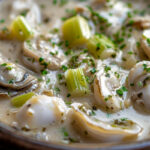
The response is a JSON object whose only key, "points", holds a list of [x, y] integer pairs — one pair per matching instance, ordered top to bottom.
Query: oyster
{"points": [[145, 42], [41, 52], [14, 80], [139, 85], [109, 88], [41, 111], [104, 131]]}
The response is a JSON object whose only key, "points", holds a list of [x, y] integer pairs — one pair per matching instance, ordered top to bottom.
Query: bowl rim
{"points": [[7, 133]]}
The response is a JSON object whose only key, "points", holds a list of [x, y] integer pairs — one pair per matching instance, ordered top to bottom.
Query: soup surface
{"points": [[76, 71]]}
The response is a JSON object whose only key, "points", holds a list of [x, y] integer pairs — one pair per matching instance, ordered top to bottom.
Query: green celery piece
{"points": [[21, 29], [76, 31], [99, 44], [76, 82], [18, 101]]}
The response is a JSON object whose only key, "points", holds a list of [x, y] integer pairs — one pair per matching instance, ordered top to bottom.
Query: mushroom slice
{"points": [[145, 42], [42, 52], [14, 80], [139, 84], [109, 88], [41, 111], [110, 131]]}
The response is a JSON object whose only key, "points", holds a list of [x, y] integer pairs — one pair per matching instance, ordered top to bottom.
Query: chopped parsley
{"points": [[54, 2], [60, 2], [24, 13], [2, 20], [131, 22], [148, 41], [66, 43], [138, 44], [97, 46], [122, 46], [68, 52], [130, 53], [54, 54], [41, 59], [43, 62], [4, 64], [9, 68], [64, 68], [107, 68], [146, 68], [93, 71], [44, 72], [117, 74], [60, 76], [11, 81], [48, 81], [132, 84], [57, 90], [121, 91], [68, 95], [107, 98], [92, 113], [124, 119], [65, 133]]}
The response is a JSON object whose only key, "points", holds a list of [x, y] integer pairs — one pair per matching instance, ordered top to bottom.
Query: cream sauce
{"points": [[49, 17]]}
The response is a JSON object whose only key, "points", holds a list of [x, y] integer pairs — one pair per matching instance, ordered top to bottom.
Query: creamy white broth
{"points": [[51, 16]]}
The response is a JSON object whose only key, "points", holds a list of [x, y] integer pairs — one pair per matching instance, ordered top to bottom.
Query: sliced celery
{"points": [[21, 29], [76, 31], [98, 44], [76, 82], [18, 101]]}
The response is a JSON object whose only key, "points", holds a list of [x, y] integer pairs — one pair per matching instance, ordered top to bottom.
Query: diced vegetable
{"points": [[21, 29], [76, 31], [5, 34], [100, 46], [76, 82], [18, 101]]}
